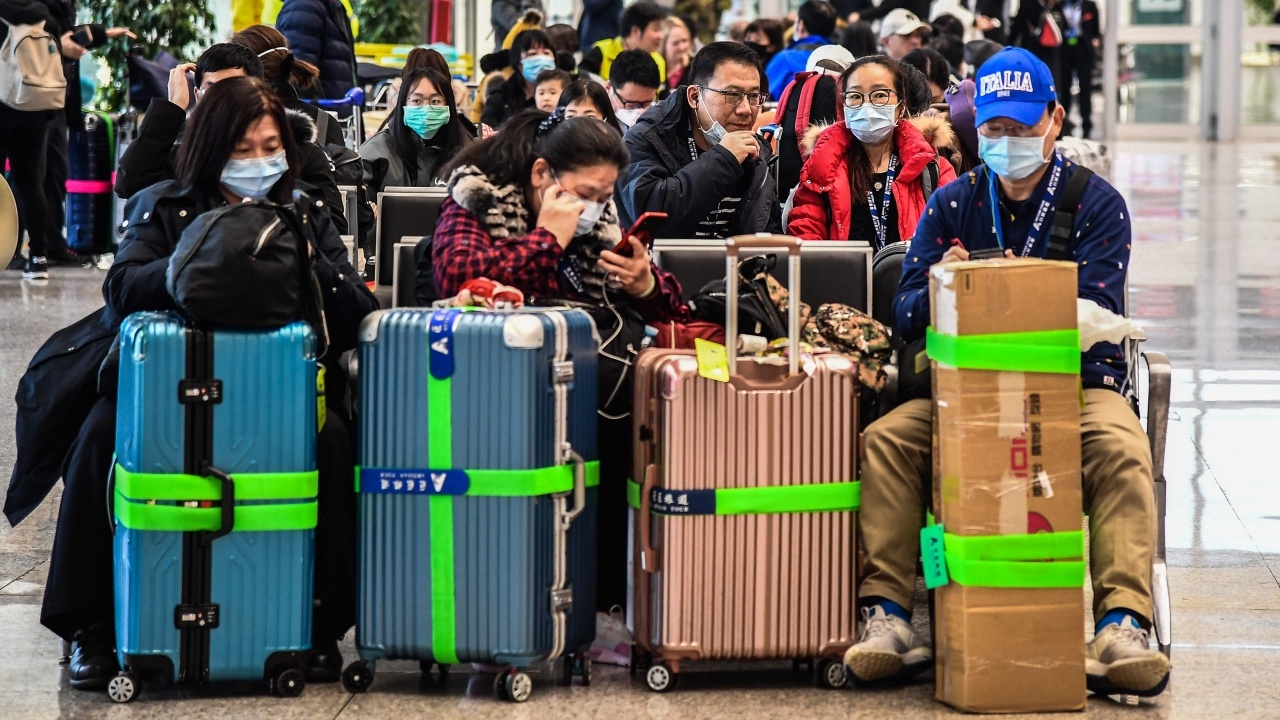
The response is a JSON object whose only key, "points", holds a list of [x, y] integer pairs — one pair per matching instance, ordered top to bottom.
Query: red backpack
{"points": [[812, 98]]}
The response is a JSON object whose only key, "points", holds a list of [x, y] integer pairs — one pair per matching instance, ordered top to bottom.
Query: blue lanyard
{"points": [[881, 226], [1040, 226]]}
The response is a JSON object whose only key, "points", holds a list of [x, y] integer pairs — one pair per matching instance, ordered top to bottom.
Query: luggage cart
{"points": [[353, 123]]}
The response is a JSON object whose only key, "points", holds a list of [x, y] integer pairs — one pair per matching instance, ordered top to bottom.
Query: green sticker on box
{"points": [[933, 557]]}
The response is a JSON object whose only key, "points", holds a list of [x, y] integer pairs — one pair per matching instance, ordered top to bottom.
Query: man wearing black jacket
{"points": [[1081, 40], [694, 156], [149, 159]]}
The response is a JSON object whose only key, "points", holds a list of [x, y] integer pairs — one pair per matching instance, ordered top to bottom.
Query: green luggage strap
{"points": [[1046, 351], [442, 485], [138, 498], [772, 500], [1040, 560]]}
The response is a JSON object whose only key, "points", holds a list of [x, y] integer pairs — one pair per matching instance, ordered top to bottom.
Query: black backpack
{"points": [[246, 265], [757, 314]]}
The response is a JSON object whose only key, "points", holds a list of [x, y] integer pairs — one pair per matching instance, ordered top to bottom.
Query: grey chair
{"points": [[350, 206], [402, 212], [833, 272]]}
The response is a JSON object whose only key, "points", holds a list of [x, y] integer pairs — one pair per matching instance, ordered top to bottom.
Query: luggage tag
{"points": [[713, 360], [933, 557]]}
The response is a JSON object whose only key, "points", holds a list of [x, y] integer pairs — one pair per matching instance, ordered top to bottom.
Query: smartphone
{"points": [[644, 228], [986, 254]]}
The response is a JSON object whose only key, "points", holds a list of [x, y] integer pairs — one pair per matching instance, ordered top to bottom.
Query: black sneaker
{"points": [[63, 257], [17, 263], [36, 268]]}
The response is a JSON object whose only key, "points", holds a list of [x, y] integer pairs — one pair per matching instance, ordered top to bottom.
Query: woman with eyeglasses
{"points": [[422, 134], [866, 178]]}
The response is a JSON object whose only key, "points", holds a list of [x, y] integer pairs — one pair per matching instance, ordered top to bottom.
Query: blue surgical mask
{"points": [[533, 66], [426, 120], [869, 123], [1013, 158], [254, 177]]}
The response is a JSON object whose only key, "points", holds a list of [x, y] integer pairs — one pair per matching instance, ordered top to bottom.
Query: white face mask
{"points": [[629, 116], [871, 124], [716, 133], [1013, 158], [589, 217]]}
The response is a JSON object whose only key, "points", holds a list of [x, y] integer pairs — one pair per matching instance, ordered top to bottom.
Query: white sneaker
{"points": [[612, 645], [889, 648], [1120, 660]]}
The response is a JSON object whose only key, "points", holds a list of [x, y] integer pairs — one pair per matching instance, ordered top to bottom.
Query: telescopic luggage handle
{"points": [[762, 241]]}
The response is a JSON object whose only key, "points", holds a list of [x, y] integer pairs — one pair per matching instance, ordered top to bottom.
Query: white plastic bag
{"points": [[1098, 324]]}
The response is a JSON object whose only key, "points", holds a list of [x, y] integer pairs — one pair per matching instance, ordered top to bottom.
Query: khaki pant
{"points": [[1118, 498]]}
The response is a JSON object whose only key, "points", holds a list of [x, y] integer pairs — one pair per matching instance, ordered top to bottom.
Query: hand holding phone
{"points": [[643, 230]]}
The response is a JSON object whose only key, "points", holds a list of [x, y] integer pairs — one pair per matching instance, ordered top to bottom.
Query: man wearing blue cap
{"points": [[1009, 204]]}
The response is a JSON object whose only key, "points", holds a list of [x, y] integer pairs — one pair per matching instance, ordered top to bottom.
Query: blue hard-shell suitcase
{"points": [[477, 491], [214, 504]]}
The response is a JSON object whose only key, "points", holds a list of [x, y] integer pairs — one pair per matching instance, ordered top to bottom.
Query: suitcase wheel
{"points": [[576, 664], [426, 665], [586, 671], [830, 674], [357, 677], [660, 678], [289, 683], [513, 685], [123, 688]]}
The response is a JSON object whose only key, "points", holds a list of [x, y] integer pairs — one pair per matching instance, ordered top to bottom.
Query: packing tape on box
{"points": [[1044, 351], [771, 500], [1040, 560]]}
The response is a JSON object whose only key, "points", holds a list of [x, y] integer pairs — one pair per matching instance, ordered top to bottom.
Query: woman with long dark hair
{"points": [[531, 52], [287, 74], [423, 133], [236, 146], [864, 179], [532, 207]]}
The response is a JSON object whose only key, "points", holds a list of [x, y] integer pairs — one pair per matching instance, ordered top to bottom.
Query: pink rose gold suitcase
{"points": [[744, 519]]}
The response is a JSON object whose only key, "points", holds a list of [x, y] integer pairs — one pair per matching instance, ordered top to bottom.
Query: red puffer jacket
{"points": [[824, 199]]}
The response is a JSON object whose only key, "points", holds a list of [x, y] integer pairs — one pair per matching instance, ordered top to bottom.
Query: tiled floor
{"points": [[1205, 284]]}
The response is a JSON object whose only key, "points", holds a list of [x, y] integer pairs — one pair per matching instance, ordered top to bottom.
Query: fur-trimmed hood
{"points": [[304, 128], [503, 212]]}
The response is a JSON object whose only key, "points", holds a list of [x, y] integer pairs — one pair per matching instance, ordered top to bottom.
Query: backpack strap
{"points": [[786, 92], [805, 110], [929, 179], [1065, 216]]}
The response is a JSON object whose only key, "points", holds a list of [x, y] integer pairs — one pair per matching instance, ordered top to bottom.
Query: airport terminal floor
{"points": [[1205, 285]]}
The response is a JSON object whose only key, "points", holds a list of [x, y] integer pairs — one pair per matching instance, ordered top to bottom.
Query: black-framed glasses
{"points": [[735, 97], [878, 98], [632, 104]]}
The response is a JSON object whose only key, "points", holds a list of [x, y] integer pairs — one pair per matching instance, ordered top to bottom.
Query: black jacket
{"points": [[319, 32], [505, 98], [151, 157], [664, 178], [68, 373]]}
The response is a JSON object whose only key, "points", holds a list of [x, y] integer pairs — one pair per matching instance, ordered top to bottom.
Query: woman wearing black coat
{"points": [[240, 128]]}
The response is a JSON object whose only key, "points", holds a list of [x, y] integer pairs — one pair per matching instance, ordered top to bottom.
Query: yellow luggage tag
{"points": [[713, 360], [322, 409]]}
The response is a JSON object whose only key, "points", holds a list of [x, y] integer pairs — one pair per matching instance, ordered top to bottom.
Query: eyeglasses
{"points": [[734, 98], [878, 98], [433, 102], [633, 104], [996, 130]]}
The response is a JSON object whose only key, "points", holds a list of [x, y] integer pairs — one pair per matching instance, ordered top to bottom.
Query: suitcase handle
{"points": [[732, 246], [579, 489], [228, 504], [648, 556]]}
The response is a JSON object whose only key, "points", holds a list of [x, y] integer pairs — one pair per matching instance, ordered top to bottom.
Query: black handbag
{"points": [[246, 265], [757, 314]]}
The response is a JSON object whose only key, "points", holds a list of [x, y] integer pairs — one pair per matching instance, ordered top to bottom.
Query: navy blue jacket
{"points": [[601, 20], [319, 32], [784, 66], [1100, 244]]}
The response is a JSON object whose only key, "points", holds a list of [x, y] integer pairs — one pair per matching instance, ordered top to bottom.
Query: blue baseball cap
{"points": [[1013, 84]]}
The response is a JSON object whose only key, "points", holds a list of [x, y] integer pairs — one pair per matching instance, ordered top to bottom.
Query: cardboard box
{"points": [[1007, 461]]}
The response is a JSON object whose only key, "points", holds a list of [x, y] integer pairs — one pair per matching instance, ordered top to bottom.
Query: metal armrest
{"points": [[404, 272], [1159, 391]]}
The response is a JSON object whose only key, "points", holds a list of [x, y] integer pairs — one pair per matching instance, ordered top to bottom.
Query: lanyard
{"points": [[882, 225], [1039, 227]]}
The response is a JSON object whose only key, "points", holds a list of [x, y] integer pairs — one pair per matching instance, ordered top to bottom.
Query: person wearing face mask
{"points": [[531, 54], [633, 86], [422, 134], [237, 146], [152, 156], [695, 157], [865, 177], [1000, 206], [532, 207]]}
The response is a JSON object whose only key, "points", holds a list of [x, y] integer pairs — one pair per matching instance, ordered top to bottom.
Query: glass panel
{"points": [[1160, 83]]}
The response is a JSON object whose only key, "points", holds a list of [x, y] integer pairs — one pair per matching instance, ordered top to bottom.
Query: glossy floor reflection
{"points": [[1206, 286]]}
